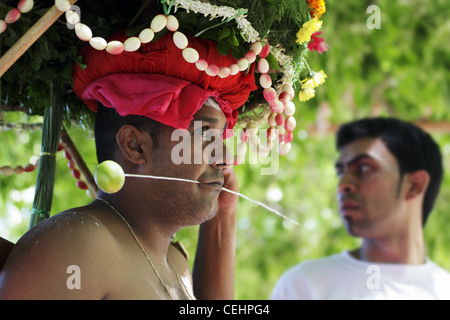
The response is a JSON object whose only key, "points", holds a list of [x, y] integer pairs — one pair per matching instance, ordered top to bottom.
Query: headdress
{"points": [[249, 55]]}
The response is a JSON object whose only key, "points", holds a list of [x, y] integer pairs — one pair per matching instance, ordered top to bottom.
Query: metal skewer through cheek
{"points": [[159, 178], [224, 189]]}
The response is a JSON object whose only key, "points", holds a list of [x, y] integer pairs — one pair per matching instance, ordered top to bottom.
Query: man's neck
{"points": [[152, 235], [400, 249]]}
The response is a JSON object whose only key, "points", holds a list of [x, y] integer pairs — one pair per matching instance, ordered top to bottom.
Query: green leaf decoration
{"points": [[273, 63]]}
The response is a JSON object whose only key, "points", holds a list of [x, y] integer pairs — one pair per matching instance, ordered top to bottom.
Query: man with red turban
{"points": [[119, 246]]}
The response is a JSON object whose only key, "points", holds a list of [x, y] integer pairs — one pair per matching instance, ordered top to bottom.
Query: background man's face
{"points": [[370, 201]]}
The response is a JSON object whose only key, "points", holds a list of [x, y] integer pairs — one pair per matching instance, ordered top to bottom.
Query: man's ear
{"points": [[134, 144], [417, 184]]}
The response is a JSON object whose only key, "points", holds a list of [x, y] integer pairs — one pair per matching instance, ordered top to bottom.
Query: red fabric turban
{"points": [[158, 83]]}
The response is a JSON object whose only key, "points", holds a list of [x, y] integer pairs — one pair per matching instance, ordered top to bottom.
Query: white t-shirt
{"points": [[342, 277]]}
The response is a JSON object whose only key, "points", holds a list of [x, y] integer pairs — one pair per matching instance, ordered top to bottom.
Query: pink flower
{"points": [[317, 43]]}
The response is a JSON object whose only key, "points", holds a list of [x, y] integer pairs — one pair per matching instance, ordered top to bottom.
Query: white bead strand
{"points": [[25, 5], [63, 5], [98, 43]]}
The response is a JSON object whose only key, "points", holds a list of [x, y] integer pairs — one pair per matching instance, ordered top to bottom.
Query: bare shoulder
{"points": [[44, 259]]}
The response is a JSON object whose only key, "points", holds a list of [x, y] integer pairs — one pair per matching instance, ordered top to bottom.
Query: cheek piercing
{"points": [[110, 178]]}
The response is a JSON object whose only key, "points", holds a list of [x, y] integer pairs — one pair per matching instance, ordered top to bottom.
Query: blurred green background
{"points": [[401, 69]]}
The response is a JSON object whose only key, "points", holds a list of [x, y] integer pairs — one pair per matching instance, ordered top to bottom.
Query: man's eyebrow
{"points": [[206, 119], [209, 120], [355, 159]]}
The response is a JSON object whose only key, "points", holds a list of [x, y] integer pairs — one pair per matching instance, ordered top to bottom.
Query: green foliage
{"points": [[278, 20], [225, 33], [401, 69], [17, 191]]}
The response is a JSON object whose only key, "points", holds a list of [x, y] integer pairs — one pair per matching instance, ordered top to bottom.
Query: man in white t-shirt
{"points": [[389, 173]]}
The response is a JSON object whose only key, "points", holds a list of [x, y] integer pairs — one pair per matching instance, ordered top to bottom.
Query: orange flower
{"points": [[317, 8]]}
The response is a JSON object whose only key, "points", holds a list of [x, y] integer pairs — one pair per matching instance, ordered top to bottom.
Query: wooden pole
{"points": [[30, 37], [79, 162]]}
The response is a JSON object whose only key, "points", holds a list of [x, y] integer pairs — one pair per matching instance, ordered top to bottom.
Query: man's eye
{"points": [[205, 130], [364, 168]]}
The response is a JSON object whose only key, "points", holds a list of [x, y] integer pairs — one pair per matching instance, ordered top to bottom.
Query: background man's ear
{"points": [[133, 143], [418, 184]]}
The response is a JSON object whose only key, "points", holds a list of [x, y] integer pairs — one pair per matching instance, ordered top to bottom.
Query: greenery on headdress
{"points": [[276, 20]]}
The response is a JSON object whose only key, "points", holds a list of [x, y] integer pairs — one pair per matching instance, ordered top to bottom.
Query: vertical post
{"points": [[51, 133]]}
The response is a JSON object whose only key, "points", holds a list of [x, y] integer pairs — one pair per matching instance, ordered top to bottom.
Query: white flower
{"points": [[223, 12], [247, 30]]}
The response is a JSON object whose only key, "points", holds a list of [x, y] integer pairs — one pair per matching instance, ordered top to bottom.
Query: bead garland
{"points": [[13, 15], [180, 40], [4, 126], [30, 167], [8, 170], [81, 184]]}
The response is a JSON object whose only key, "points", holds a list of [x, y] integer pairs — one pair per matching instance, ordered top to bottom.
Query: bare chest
{"points": [[138, 279]]}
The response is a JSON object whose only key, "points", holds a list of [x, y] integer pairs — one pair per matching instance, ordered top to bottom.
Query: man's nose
{"points": [[224, 159], [347, 183]]}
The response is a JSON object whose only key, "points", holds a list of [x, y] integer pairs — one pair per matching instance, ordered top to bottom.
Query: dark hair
{"points": [[107, 124], [413, 148]]}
